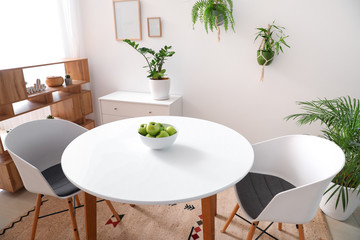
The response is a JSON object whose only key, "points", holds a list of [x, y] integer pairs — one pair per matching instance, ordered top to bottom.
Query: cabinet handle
{"points": [[115, 109], [150, 112]]}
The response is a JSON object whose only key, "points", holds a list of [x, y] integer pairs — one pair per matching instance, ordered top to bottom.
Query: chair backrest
{"points": [[37, 145], [299, 159], [309, 163]]}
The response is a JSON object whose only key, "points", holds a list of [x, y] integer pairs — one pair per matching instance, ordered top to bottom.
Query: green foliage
{"points": [[210, 12], [271, 44], [156, 61], [67, 76], [50, 117], [341, 118]]}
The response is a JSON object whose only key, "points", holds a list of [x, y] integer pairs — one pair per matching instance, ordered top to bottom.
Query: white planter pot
{"points": [[160, 89], [338, 213]]}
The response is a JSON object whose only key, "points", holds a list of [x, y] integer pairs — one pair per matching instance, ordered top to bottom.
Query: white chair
{"points": [[36, 148], [288, 178]]}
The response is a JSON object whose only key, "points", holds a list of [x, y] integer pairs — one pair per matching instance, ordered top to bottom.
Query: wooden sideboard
{"points": [[70, 102], [120, 105]]}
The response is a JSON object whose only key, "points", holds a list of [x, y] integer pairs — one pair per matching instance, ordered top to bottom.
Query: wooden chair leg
{"points": [[77, 200], [236, 208], [112, 209], [36, 216], [73, 219], [280, 226], [252, 230], [301, 232]]}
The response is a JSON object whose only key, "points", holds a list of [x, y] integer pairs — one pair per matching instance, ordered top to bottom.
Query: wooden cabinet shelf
{"points": [[61, 96], [67, 102], [26, 106]]}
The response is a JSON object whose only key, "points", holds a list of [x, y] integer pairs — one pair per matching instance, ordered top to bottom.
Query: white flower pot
{"points": [[160, 88], [338, 213]]}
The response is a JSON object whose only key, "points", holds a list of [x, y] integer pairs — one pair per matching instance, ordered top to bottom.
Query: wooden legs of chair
{"points": [[77, 200], [236, 208], [112, 209], [37, 211], [36, 216], [72, 216], [254, 225], [252, 230], [301, 232]]}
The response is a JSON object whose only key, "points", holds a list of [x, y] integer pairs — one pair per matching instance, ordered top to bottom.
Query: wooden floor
{"points": [[13, 205]]}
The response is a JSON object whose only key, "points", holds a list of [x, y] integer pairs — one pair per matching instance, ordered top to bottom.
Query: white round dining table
{"points": [[111, 162]]}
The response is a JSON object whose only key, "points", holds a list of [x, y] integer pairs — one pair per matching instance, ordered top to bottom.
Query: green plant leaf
{"points": [[203, 10], [341, 120]]}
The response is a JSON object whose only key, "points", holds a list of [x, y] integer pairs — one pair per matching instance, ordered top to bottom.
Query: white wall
{"points": [[219, 81]]}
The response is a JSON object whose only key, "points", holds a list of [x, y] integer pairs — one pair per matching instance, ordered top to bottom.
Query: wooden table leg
{"points": [[208, 206], [90, 216]]}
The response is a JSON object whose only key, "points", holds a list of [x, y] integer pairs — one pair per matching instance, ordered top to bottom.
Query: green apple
{"points": [[161, 127], [153, 128], [142, 129], [170, 130], [162, 134], [148, 135]]}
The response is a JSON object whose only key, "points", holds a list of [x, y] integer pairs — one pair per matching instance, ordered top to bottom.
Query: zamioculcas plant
{"points": [[213, 14], [273, 38], [155, 61]]}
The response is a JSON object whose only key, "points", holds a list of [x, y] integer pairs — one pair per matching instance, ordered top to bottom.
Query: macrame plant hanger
{"points": [[218, 28], [261, 47]]}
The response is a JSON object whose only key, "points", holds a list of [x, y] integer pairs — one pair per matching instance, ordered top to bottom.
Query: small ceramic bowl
{"points": [[159, 143]]}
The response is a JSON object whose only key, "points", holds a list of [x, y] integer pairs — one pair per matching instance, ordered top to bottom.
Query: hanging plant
{"points": [[213, 14], [273, 38]]}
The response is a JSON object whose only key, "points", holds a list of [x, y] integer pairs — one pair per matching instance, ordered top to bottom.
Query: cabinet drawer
{"points": [[132, 109], [111, 118]]}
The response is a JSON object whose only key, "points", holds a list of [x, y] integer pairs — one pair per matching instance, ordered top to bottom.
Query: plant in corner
{"points": [[213, 14], [273, 38], [155, 62], [341, 118]]}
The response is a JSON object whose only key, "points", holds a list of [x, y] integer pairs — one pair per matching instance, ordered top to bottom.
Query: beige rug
{"points": [[181, 221]]}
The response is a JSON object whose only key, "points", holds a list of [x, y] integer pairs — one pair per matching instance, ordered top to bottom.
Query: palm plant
{"points": [[214, 13], [341, 118]]}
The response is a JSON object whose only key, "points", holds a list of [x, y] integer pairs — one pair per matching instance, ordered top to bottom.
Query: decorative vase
{"points": [[265, 57], [54, 81], [160, 88], [338, 213]]}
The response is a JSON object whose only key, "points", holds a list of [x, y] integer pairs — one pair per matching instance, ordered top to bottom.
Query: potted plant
{"points": [[213, 14], [273, 38], [68, 80], [159, 84], [341, 119]]}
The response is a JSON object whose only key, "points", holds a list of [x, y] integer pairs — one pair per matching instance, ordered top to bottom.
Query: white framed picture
{"points": [[127, 19], [154, 26]]}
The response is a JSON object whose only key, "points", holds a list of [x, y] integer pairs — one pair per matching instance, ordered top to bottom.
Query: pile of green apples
{"points": [[156, 130]]}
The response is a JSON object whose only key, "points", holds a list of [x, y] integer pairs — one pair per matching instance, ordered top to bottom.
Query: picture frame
{"points": [[127, 19], [154, 26]]}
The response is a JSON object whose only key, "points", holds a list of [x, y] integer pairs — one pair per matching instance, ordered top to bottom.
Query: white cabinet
{"points": [[121, 104]]}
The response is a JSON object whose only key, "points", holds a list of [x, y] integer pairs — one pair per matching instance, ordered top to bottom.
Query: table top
{"points": [[111, 162]]}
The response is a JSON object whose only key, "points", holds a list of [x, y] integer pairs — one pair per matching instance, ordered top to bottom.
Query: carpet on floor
{"points": [[180, 221]]}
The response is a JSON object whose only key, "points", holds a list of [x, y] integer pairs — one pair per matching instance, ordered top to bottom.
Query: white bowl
{"points": [[159, 143]]}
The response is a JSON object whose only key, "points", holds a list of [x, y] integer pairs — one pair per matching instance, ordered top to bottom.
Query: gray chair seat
{"points": [[55, 177], [256, 190]]}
